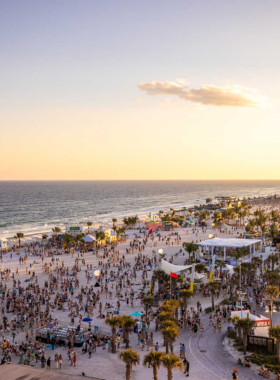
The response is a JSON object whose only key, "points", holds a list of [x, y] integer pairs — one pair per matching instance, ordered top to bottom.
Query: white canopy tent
{"points": [[88, 239], [230, 243], [168, 267], [229, 268]]}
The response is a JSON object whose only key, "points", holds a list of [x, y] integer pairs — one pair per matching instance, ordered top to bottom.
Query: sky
{"points": [[124, 89]]}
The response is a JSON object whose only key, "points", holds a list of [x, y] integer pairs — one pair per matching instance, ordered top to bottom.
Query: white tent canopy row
{"points": [[88, 239], [230, 243]]}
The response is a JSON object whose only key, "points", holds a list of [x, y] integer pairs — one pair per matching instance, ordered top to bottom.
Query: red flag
{"points": [[173, 275]]}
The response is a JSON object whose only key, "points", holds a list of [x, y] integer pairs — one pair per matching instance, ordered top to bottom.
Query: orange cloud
{"points": [[226, 96]]}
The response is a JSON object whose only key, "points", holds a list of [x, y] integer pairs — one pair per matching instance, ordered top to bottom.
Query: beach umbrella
{"points": [[97, 285], [136, 314], [87, 319]]}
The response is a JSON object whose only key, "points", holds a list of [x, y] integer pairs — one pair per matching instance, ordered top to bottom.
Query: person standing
{"points": [[60, 361], [49, 363]]}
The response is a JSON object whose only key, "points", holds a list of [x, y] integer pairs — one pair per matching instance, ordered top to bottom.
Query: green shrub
{"points": [[225, 301], [208, 310], [231, 334]]}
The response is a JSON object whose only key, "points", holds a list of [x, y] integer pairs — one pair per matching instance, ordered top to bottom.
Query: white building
{"points": [[74, 230], [3, 243]]}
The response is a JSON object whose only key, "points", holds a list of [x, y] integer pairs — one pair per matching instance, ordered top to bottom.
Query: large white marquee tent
{"points": [[230, 243]]}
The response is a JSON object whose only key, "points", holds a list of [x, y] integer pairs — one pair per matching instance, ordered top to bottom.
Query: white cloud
{"points": [[226, 96]]}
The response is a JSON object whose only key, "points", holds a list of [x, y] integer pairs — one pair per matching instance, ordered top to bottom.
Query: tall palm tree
{"points": [[274, 216], [114, 221], [89, 224], [273, 230], [19, 236], [100, 236], [68, 239], [190, 248], [273, 259], [200, 268], [161, 277], [273, 278], [214, 286], [272, 292], [185, 294], [147, 301], [234, 320], [114, 322], [127, 324], [246, 325], [274, 332], [170, 335], [130, 358], [153, 359], [170, 362]]}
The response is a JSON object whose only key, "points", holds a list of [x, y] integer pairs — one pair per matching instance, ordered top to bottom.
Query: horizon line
{"points": [[135, 180]]}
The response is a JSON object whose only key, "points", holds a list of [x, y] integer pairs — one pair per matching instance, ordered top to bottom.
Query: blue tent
{"points": [[136, 314], [87, 319]]}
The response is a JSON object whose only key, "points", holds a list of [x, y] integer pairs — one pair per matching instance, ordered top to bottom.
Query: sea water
{"points": [[38, 206]]}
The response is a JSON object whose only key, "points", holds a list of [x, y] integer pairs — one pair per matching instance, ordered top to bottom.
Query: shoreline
{"points": [[34, 233]]}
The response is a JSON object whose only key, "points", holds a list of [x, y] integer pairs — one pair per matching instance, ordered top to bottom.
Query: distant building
{"points": [[229, 202], [74, 230], [3, 243]]}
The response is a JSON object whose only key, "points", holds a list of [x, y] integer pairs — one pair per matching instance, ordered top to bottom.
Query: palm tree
{"points": [[274, 216], [218, 217], [114, 221], [89, 224], [56, 230], [273, 230], [120, 231], [19, 236], [100, 236], [67, 239], [190, 248], [274, 260], [221, 264], [200, 267], [161, 277], [273, 278], [214, 286], [272, 292], [185, 295], [147, 301], [234, 320], [114, 322], [127, 324], [246, 325], [274, 332], [170, 335], [130, 358], [154, 359], [170, 362]]}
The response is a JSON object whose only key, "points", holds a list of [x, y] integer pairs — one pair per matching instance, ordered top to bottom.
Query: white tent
{"points": [[88, 239], [229, 242], [3, 243], [167, 267], [229, 268], [199, 276]]}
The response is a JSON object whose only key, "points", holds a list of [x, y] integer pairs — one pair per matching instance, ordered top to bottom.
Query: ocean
{"points": [[38, 206]]}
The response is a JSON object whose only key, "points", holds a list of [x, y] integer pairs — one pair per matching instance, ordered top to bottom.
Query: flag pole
{"points": [[170, 285]]}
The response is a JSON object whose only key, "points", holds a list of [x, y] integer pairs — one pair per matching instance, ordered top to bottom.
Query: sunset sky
{"points": [[139, 89]]}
